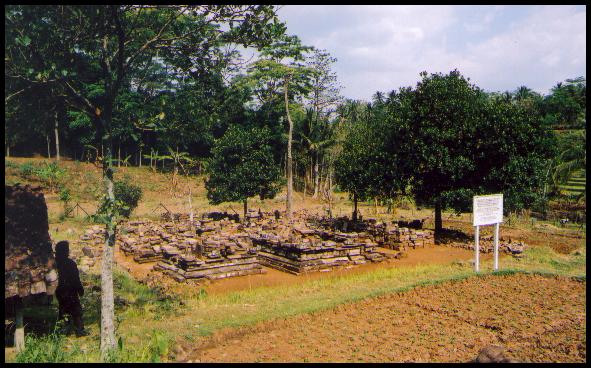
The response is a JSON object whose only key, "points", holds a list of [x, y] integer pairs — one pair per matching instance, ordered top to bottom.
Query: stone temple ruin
{"points": [[218, 245], [29, 265]]}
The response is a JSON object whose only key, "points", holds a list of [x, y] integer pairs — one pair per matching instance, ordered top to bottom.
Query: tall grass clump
{"points": [[48, 349]]}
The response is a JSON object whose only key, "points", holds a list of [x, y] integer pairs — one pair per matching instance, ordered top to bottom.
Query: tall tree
{"points": [[88, 52], [281, 68], [324, 98], [565, 106], [440, 118], [459, 142], [367, 165]]}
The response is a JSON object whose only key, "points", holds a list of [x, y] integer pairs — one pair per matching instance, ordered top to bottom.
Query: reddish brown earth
{"points": [[536, 319]]}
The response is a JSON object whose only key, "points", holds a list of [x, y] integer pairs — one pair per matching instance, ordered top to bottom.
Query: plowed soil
{"points": [[536, 319]]}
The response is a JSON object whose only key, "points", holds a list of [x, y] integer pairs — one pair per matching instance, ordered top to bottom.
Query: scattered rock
{"points": [[88, 251], [119, 300], [493, 354]]}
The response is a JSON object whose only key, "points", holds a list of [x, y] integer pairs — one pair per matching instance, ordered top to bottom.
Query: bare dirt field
{"points": [[535, 318]]}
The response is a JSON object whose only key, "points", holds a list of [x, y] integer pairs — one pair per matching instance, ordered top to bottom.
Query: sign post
{"points": [[487, 210]]}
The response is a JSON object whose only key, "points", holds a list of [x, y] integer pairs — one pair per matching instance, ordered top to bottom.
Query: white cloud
{"points": [[385, 47]]}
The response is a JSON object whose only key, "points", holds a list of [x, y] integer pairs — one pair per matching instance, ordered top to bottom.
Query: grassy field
{"points": [[154, 327]]}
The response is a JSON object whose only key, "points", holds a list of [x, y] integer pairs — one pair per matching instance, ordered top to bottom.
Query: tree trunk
{"points": [[57, 138], [7, 146], [48, 146], [119, 156], [140, 158], [289, 160], [316, 177], [305, 180], [190, 205], [354, 207], [245, 208], [438, 222], [107, 296], [19, 332]]}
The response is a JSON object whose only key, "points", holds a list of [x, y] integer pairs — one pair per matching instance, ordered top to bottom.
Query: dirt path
{"points": [[537, 319]]}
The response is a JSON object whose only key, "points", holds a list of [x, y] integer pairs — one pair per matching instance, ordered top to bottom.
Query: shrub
{"points": [[26, 169], [51, 174], [65, 196], [127, 196]]}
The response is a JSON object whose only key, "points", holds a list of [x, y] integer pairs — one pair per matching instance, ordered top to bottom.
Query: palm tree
{"points": [[521, 93], [317, 136]]}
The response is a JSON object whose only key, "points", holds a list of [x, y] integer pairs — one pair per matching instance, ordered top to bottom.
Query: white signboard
{"points": [[488, 209]]}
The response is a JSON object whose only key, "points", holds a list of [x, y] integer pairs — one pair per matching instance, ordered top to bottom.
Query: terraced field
{"points": [[576, 184]]}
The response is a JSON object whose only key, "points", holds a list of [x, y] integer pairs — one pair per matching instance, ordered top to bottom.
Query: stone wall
{"points": [[29, 265]]}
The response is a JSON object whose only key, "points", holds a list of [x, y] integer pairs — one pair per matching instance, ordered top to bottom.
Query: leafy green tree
{"points": [[89, 52], [566, 106], [440, 119], [458, 142], [513, 153], [367, 165], [242, 166], [127, 197]]}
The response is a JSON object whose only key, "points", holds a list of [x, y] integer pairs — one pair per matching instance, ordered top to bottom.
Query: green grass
{"points": [[134, 301]]}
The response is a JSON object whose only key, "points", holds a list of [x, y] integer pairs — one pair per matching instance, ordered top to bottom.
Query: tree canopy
{"points": [[242, 166]]}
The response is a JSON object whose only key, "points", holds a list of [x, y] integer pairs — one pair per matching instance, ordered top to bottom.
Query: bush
{"points": [[26, 169], [51, 174], [127, 196], [65, 197]]}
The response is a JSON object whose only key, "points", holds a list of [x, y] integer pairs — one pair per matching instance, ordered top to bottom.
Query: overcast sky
{"points": [[498, 47]]}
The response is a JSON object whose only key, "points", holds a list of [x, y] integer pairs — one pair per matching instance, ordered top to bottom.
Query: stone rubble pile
{"points": [[387, 235], [401, 238], [458, 239], [486, 245], [218, 246], [219, 251]]}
